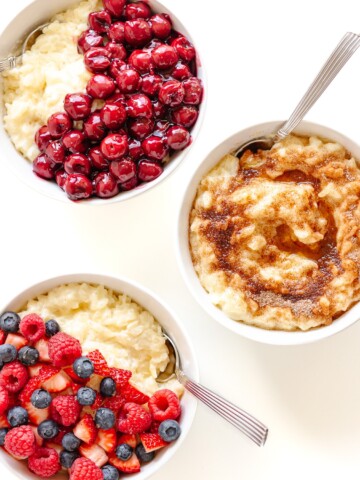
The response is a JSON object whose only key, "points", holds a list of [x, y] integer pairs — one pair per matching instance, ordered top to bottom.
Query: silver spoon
{"points": [[342, 53], [15, 60], [246, 423]]}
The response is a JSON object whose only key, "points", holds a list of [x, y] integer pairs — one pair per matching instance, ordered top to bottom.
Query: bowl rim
{"points": [[19, 165], [182, 250], [152, 298]]}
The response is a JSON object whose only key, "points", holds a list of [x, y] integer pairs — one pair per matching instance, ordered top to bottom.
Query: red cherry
{"points": [[115, 7], [137, 10], [99, 21], [160, 25], [116, 32], [137, 32], [89, 39], [154, 43], [184, 48], [116, 50], [165, 56], [97, 59], [140, 60], [116, 67], [181, 71], [128, 81], [151, 84], [100, 86], [193, 91], [171, 93], [116, 98], [77, 105], [139, 105], [159, 109], [113, 115], [185, 115], [59, 123], [94, 127], [141, 127], [177, 137], [42, 138], [75, 141], [114, 146], [155, 147], [135, 149], [56, 151], [98, 161], [77, 163], [44, 167], [123, 170], [148, 170], [60, 178], [130, 184], [106, 185], [78, 186]]}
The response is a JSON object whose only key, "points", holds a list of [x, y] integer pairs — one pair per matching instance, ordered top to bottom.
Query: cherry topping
{"points": [[115, 7], [137, 10], [100, 21], [160, 25], [116, 32], [137, 32], [89, 39], [184, 48], [116, 50], [165, 56], [97, 59], [141, 61], [116, 67], [181, 71], [129, 81], [151, 84], [100, 86], [193, 91], [171, 93], [116, 98], [77, 105], [139, 105], [159, 109], [113, 115], [185, 115], [59, 123], [94, 127], [141, 127], [177, 137], [42, 138], [75, 141], [114, 146], [155, 147], [135, 149], [56, 151], [97, 159], [77, 163], [44, 167], [123, 170], [148, 170], [60, 177], [130, 184], [106, 185], [78, 186]]}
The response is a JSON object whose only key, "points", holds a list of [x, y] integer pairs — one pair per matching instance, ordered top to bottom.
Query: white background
{"points": [[260, 56]]}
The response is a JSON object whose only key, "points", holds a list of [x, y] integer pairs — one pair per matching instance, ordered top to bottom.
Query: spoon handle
{"points": [[342, 53], [8, 63], [246, 423]]}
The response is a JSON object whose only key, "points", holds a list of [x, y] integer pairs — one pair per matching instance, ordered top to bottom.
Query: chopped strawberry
{"points": [[2, 337], [17, 340], [43, 348], [99, 362], [34, 370], [70, 372], [45, 373], [120, 376], [94, 382], [57, 383], [75, 388], [132, 394], [115, 403], [36, 415], [4, 421], [86, 429], [128, 438], [107, 439], [39, 440], [152, 441], [55, 446], [94, 453], [130, 466]]}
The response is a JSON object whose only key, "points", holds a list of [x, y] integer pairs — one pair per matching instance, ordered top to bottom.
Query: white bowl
{"points": [[38, 12], [165, 317], [273, 337]]}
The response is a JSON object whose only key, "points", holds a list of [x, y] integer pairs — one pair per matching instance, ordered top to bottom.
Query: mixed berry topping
{"points": [[138, 109], [62, 410]]}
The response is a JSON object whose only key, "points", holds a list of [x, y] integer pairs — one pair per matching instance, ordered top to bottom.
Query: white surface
{"points": [[260, 57]]}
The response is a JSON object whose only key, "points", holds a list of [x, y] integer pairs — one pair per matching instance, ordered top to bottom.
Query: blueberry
{"points": [[9, 322], [51, 328], [8, 353], [28, 356], [83, 367], [107, 387], [86, 396], [41, 398], [17, 416], [104, 418], [48, 429], [169, 430], [3, 432], [70, 442], [124, 451], [142, 455], [68, 458], [110, 472]]}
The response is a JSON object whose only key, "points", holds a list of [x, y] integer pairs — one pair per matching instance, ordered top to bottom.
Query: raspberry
{"points": [[32, 327], [2, 337], [63, 349], [99, 362], [14, 376], [121, 377], [131, 394], [4, 400], [115, 403], [164, 405], [65, 410], [134, 419], [154, 428], [20, 442], [44, 462], [85, 468]]}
